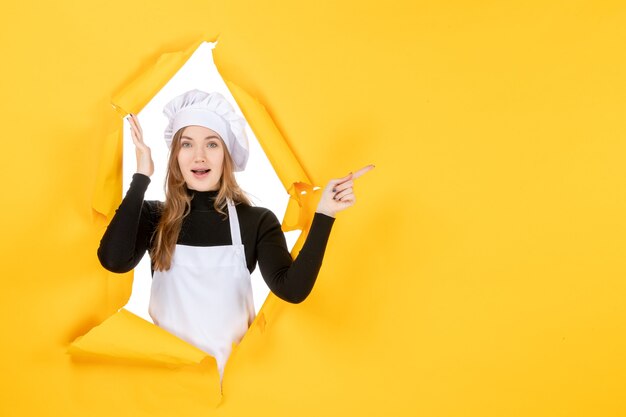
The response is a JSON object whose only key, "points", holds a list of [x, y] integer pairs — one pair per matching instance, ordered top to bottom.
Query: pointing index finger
{"points": [[362, 171], [351, 177]]}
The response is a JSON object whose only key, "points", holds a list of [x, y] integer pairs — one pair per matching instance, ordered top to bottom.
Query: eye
{"points": [[185, 145], [213, 145]]}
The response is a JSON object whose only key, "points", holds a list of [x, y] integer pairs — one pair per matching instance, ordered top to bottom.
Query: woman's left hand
{"points": [[339, 193]]}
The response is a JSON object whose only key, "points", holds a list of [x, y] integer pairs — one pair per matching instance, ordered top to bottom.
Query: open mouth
{"points": [[200, 172]]}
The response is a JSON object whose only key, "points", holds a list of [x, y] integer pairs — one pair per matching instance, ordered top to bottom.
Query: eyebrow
{"points": [[208, 137]]}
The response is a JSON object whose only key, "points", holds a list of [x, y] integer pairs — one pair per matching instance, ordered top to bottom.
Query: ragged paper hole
{"points": [[148, 93]]}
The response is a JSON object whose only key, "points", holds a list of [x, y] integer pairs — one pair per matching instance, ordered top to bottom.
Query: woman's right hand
{"points": [[145, 165]]}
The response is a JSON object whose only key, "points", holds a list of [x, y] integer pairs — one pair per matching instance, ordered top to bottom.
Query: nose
{"points": [[199, 155]]}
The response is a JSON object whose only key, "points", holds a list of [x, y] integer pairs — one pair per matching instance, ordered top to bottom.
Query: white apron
{"points": [[205, 298]]}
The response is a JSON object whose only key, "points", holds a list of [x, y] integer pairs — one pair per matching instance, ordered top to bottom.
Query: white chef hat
{"points": [[213, 111]]}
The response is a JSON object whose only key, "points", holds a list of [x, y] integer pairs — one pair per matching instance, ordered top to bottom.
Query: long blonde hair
{"points": [[178, 203]]}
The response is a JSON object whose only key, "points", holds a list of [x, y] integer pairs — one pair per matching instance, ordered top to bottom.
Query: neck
{"points": [[202, 200]]}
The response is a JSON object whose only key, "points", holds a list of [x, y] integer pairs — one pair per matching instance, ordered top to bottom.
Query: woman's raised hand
{"points": [[144, 156], [339, 193]]}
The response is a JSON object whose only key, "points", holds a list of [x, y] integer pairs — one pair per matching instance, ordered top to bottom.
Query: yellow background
{"points": [[480, 273]]}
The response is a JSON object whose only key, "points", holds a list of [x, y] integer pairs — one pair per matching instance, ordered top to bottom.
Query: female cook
{"points": [[206, 238]]}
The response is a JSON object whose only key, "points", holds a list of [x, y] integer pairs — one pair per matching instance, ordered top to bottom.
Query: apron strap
{"points": [[235, 233]]}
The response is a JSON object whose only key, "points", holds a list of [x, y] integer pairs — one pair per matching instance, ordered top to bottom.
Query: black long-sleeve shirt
{"points": [[130, 233]]}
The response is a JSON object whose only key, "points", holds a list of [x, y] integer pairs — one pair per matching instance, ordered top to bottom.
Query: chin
{"points": [[202, 187]]}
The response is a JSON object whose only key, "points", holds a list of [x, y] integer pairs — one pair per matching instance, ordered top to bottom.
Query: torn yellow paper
{"points": [[137, 94], [300, 209], [125, 335], [149, 343]]}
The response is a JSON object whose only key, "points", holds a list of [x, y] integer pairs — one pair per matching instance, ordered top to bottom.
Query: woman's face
{"points": [[201, 158]]}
